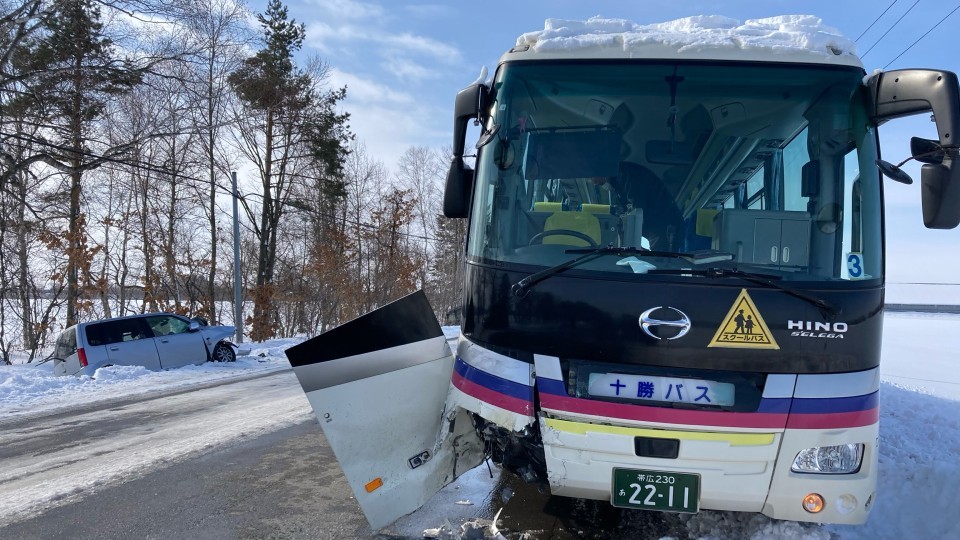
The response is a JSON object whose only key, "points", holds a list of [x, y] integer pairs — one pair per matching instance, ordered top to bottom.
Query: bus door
{"points": [[379, 385]]}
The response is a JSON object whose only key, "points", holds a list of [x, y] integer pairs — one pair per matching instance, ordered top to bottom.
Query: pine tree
{"points": [[71, 69], [290, 127]]}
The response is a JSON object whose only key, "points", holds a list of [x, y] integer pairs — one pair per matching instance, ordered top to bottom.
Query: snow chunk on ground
{"points": [[785, 33], [120, 373], [717, 525]]}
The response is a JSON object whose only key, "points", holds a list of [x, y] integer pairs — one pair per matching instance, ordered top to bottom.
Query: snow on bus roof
{"points": [[782, 38]]}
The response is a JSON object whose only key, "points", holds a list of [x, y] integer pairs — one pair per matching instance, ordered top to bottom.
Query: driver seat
{"points": [[582, 222]]}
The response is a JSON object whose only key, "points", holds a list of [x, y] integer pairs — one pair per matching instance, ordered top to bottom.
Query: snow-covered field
{"points": [[33, 389], [919, 434]]}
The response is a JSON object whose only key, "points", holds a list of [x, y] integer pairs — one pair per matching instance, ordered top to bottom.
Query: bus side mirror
{"points": [[912, 91], [926, 151], [456, 194]]}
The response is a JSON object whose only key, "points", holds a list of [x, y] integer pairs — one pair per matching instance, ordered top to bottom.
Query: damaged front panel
{"points": [[379, 386], [498, 388]]}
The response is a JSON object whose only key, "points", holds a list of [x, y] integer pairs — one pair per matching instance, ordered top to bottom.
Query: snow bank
{"points": [[783, 34], [29, 388], [919, 468]]}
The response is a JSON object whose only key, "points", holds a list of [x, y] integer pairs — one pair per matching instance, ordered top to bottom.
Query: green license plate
{"points": [[656, 490]]}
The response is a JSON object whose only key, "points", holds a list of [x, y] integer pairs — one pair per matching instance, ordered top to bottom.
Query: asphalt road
{"points": [[281, 484]]}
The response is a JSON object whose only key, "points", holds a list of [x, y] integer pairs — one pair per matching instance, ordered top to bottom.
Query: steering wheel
{"points": [[564, 232]]}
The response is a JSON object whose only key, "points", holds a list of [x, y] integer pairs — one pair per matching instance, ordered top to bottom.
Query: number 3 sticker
{"points": [[855, 265]]}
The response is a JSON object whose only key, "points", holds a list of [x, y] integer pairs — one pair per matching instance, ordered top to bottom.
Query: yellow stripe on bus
{"points": [[735, 439]]}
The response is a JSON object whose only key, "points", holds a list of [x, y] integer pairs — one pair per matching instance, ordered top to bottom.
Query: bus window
{"points": [[795, 156], [755, 191], [852, 259]]}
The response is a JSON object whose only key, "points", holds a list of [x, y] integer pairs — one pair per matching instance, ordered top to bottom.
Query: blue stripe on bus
{"points": [[497, 384], [551, 386], [835, 404], [768, 405], [774, 405]]}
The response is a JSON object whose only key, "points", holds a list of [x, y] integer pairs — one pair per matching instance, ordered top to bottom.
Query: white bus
{"points": [[674, 278]]}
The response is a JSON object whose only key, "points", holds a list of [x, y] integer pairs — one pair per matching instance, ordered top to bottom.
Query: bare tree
{"points": [[218, 28], [421, 170]]}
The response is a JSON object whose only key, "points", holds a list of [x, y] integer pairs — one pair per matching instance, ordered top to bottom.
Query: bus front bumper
{"points": [[739, 471]]}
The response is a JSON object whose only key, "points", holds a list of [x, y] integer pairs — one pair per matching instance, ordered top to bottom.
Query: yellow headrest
{"points": [[547, 206], [595, 208], [587, 224]]}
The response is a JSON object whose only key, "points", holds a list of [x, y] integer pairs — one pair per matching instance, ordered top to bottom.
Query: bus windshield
{"points": [[770, 165]]}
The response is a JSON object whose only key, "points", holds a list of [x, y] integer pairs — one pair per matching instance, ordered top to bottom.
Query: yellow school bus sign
{"points": [[743, 327]]}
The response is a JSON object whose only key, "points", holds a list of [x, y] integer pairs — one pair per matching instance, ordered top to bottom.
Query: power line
{"points": [[875, 20], [889, 29], [923, 36], [115, 158], [141, 165]]}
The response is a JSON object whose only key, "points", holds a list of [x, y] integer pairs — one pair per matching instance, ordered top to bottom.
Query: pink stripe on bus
{"points": [[510, 403], [664, 415], [834, 420]]}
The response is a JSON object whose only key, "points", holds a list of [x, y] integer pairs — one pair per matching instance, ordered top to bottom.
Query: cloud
{"points": [[349, 9], [353, 30], [326, 38], [424, 45], [403, 68], [390, 70], [365, 91], [388, 120], [388, 131]]}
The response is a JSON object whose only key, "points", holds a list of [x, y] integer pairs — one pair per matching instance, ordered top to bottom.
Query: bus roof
{"points": [[786, 38]]}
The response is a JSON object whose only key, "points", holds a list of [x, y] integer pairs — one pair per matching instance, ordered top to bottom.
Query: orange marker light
{"points": [[373, 485], [813, 503]]}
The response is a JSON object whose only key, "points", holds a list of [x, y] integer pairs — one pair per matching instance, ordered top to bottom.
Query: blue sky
{"points": [[403, 63]]}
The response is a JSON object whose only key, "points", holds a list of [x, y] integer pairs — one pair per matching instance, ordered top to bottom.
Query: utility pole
{"points": [[237, 297]]}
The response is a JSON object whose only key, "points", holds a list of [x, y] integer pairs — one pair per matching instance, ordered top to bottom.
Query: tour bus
{"points": [[674, 283]]}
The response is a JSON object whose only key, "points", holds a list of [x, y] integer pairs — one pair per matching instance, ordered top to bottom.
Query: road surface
{"points": [[244, 459]]}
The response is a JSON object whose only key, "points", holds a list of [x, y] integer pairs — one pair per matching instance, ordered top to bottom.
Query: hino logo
{"points": [[680, 323], [815, 329]]}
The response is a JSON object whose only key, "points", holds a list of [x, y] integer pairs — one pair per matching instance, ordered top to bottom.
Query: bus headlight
{"points": [[840, 459]]}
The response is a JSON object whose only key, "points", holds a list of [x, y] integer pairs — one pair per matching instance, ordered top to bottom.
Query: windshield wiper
{"points": [[694, 257], [767, 280], [522, 287]]}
